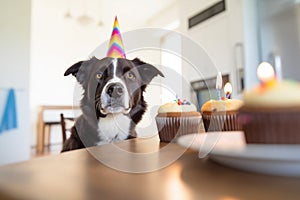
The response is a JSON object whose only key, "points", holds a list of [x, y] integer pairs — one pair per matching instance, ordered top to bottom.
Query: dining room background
{"points": [[48, 36]]}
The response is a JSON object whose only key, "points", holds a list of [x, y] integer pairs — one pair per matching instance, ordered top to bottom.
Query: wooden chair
{"points": [[66, 124], [44, 125]]}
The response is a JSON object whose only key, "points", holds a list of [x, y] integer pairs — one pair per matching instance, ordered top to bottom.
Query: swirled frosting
{"points": [[281, 94], [221, 105], [174, 107]]}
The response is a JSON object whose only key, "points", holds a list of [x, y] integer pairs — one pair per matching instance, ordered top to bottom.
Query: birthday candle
{"points": [[219, 84]]}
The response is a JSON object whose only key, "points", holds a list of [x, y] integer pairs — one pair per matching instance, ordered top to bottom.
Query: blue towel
{"points": [[9, 117]]}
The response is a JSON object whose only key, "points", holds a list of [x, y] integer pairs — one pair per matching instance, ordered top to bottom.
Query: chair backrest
{"points": [[63, 123]]}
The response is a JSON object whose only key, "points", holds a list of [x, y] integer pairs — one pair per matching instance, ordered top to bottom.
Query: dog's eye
{"points": [[99, 75], [130, 75]]}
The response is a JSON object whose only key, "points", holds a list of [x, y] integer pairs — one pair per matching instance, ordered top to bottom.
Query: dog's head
{"points": [[113, 85]]}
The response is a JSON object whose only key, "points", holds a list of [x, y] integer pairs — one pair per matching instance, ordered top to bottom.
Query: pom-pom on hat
{"points": [[116, 47]]}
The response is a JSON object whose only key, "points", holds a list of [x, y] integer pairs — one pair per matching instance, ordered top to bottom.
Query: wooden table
{"points": [[78, 175]]}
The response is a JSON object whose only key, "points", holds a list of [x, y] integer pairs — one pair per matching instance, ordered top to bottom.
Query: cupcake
{"points": [[271, 113], [221, 115], [176, 119]]}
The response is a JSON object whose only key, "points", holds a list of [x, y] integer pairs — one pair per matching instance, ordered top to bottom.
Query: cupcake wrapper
{"points": [[221, 122], [271, 127], [170, 128]]}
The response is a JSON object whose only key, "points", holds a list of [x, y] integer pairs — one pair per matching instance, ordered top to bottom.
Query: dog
{"points": [[112, 103]]}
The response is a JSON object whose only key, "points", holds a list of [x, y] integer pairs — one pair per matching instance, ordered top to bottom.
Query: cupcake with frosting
{"points": [[271, 114], [221, 115], [177, 118]]}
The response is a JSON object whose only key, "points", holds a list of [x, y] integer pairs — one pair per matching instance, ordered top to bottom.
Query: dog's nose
{"points": [[115, 90]]}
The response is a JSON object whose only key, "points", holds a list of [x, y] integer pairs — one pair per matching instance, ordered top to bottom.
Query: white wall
{"points": [[166, 16], [217, 35], [56, 44], [209, 46], [170, 51], [14, 56]]}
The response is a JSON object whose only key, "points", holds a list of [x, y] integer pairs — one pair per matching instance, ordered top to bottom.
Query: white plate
{"points": [[230, 149]]}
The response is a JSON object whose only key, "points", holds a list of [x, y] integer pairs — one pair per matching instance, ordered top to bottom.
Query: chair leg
{"points": [[63, 128]]}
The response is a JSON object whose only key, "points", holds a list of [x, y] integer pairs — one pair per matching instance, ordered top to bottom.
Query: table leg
{"points": [[40, 132], [47, 135]]}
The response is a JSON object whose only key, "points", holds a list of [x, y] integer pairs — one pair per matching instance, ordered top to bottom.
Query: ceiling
{"points": [[133, 13]]}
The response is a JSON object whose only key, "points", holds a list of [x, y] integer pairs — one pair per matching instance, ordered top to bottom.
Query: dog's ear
{"points": [[73, 69], [147, 71]]}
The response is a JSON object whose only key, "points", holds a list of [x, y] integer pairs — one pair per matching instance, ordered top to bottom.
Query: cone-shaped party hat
{"points": [[116, 47]]}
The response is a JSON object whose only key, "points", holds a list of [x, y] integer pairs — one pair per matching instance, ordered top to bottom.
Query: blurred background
{"points": [[40, 39]]}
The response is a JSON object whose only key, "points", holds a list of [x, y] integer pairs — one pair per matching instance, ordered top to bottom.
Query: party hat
{"points": [[116, 47]]}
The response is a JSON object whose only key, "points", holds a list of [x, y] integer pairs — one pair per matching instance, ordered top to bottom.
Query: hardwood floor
{"points": [[48, 150]]}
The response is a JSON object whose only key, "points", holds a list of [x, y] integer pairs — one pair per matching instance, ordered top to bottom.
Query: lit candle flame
{"points": [[265, 72], [228, 90]]}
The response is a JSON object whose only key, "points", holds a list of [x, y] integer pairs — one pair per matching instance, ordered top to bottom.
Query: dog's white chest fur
{"points": [[113, 127]]}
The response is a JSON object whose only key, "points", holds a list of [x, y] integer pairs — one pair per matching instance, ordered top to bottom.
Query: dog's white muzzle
{"points": [[115, 97]]}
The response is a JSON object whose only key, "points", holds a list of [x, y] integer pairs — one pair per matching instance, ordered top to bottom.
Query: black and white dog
{"points": [[112, 103]]}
